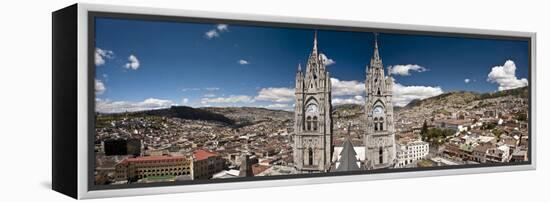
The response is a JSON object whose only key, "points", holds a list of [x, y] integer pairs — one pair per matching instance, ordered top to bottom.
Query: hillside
{"points": [[462, 98], [349, 111], [181, 112], [248, 115], [234, 116]]}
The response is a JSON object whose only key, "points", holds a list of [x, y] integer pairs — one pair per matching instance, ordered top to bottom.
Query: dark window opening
{"points": [[308, 123], [315, 123], [381, 123], [375, 124], [380, 155], [310, 156]]}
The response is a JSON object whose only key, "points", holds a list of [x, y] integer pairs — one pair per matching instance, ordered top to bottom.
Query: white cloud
{"points": [[222, 27], [214, 33], [211, 34], [101, 55], [327, 61], [133, 62], [243, 62], [404, 70], [505, 76], [466, 80], [99, 87], [212, 88], [340, 88], [189, 89], [200, 89], [276, 94], [209, 95], [402, 95], [231, 99], [352, 100], [184, 101], [278, 105], [106, 106]]}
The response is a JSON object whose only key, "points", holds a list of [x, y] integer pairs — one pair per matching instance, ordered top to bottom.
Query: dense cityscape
{"points": [[456, 134], [208, 143]]}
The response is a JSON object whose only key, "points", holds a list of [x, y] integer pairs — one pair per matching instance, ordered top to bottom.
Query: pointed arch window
{"points": [[378, 91], [381, 122], [308, 123], [315, 123], [375, 124], [381, 155], [310, 156]]}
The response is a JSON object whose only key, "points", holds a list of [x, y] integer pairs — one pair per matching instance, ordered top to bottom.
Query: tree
{"points": [[521, 117], [424, 131], [497, 132]]}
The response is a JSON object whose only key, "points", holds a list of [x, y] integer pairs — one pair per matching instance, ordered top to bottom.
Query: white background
{"points": [[25, 101]]}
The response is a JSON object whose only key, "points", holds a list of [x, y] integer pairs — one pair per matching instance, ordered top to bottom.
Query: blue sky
{"points": [[152, 64]]}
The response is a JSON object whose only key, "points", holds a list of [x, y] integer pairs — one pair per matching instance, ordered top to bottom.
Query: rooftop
{"points": [[203, 154], [151, 158]]}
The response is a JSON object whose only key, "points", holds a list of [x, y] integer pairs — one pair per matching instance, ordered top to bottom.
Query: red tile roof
{"points": [[203, 154], [150, 158], [257, 169]]}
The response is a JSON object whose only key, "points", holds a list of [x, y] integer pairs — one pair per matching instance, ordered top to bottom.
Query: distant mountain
{"points": [[519, 92], [465, 97], [451, 98], [458, 98], [347, 107], [348, 111], [182, 112], [249, 115], [234, 116], [242, 116]]}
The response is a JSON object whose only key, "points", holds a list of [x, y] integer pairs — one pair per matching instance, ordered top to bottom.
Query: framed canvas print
{"points": [[149, 101]]}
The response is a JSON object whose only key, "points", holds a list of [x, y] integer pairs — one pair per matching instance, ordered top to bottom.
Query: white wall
{"points": [[25, 78]]}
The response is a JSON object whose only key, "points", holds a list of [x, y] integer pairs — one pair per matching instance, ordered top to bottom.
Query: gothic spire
{"points": [[315, 42], [376, 55], [299, 67]]}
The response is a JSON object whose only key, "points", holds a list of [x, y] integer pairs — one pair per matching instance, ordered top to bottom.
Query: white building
{"points": [[411, 152], [500, 154]]}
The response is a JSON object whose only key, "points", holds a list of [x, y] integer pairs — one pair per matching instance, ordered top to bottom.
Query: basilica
{"points": [[313, 147]]}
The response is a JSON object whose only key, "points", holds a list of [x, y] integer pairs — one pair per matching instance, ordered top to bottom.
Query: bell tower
{"points": [[313, 121], [380, 135]]}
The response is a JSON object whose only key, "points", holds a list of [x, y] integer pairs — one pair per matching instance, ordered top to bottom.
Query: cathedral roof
{"points": [[348, 159]]}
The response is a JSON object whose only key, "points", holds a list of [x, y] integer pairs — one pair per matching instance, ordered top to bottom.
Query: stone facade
{"points": [[313, 121], [380, 135], [133, 169]]}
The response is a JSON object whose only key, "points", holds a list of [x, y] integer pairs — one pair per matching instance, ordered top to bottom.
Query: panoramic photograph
{"points": [[180, 101]]}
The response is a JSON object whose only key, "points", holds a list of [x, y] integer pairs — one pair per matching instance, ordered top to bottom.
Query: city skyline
{"points": [[149, 64], [181, 143]]}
